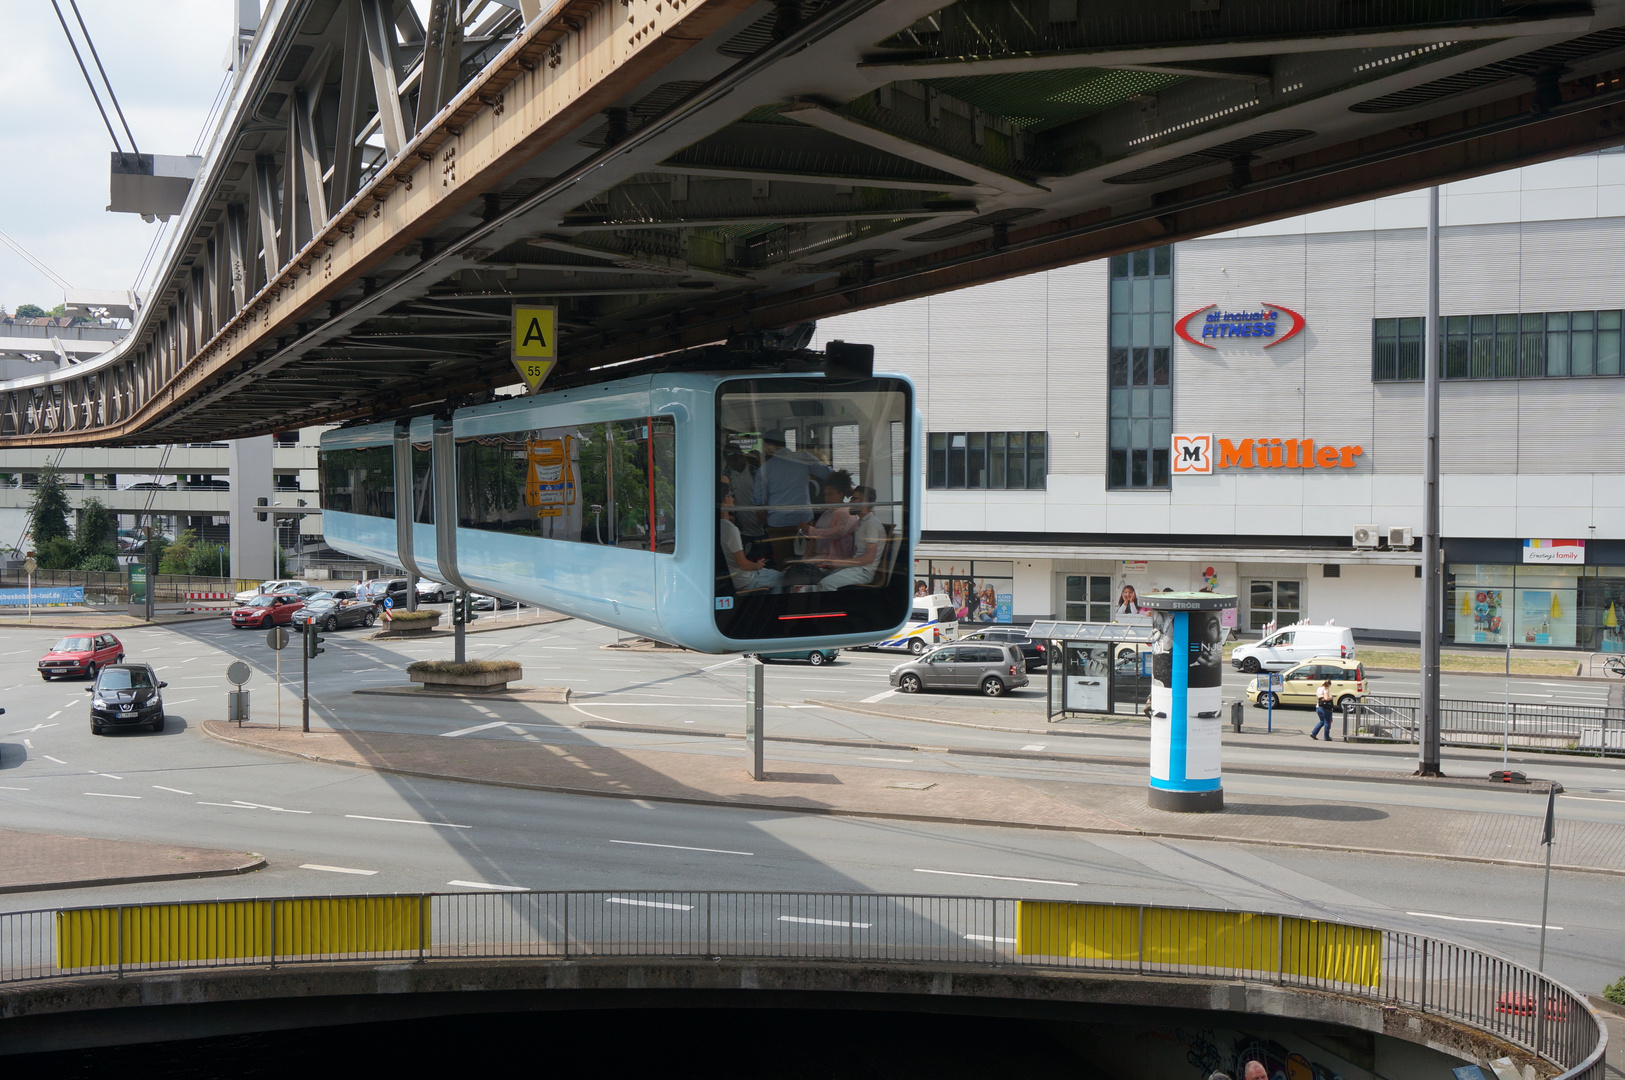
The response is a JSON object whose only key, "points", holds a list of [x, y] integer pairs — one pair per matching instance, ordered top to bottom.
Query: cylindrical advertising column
{"points": [[1186, 675]]}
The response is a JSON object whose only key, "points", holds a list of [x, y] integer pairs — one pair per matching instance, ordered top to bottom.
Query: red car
{"points": [[272, 609], [81, 656]]}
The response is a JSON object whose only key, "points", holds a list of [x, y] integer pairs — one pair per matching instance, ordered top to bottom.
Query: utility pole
{"points": [[1428, 735]]}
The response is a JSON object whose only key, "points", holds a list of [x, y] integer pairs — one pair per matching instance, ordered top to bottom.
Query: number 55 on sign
{"points": [[535, 343]]}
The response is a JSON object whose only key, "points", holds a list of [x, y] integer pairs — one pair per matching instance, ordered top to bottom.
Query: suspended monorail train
{"points": [[733, 512]]}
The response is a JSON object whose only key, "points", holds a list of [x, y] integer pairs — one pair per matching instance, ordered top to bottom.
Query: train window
{"points": [[359, 480], [423, 483], [611, 483], [813, 506]]}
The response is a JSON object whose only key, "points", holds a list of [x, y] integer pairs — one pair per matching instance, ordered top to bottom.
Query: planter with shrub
{"points": [[412, 622], [476, 675]]}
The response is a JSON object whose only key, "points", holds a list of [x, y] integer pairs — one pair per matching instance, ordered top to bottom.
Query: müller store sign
{"points": [[1204, 326], [1199, 455]]}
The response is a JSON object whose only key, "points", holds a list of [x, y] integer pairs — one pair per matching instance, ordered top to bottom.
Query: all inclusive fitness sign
{"points": [[1204, 326], [1199, 455]]}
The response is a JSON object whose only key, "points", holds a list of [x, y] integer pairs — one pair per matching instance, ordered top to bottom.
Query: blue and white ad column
{"points": [[1186, 689]]}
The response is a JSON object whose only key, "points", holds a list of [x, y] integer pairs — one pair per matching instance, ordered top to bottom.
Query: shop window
{"points": [[1531, 345], [1140, 369], [986, 460], [982, 591], [1089, 598], [1273, 604], [1528, 606]]}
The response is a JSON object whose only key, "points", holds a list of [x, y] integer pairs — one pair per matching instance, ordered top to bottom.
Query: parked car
{"points": [[279, 585], [379, 588], [432, 592], [481, 602], [272, 609], [336, 610], [931, 621], [1293, 645], [1031, 651], [82, 655], [815, 657], [992, 667], [1300, 685], [126, 695]]}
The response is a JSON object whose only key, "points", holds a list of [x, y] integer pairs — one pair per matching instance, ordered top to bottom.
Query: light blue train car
{"points": [[742, 512]]}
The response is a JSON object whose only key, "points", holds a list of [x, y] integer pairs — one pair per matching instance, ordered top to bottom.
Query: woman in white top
{"points": [[868, 539], [746, 573]]}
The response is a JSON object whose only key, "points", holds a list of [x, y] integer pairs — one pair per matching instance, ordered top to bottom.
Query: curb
{"points": [[888, 816], [259, 863]]}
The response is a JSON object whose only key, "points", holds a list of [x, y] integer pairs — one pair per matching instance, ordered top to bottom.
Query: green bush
{"points": [[57, 553], [101, 561], [471, 667], [1615, 992]]}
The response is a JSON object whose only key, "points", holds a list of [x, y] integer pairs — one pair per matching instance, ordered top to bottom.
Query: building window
{"points": [[1532, 345], [1140, 368], [987, 460], [982, 591], [1089, 598], [1274, 604]]}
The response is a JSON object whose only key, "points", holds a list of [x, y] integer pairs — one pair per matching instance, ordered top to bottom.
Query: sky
{"points": [[166, 60]]}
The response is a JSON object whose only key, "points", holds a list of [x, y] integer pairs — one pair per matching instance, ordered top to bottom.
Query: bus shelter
{"points": [[1095, 667]]}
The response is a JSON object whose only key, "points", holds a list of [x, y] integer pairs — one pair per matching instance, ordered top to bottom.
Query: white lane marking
{"points": [[158, 649], [724, 664], [878, 697], [182, 701], [56, 714], [595, 716], [36, 727], [472, 730], [29, 743], [1033, 746], [58, 760], [109, 775], [3, 788], [176, 790], [106, 795], [1577, 798], [227, 805], [262, 806], [408, 821], [683, 847], [336, 869], [1000, 877], [488, 885], [649, 903], [825, 922], [1492, 922], [996, 940]]}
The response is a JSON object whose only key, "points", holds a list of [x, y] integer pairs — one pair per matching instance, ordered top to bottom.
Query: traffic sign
{"points": [[535, 343], [30, 565], [389, 602], [277, 637], [238, 673]]}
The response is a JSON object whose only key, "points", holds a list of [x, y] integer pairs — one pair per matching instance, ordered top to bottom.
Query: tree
{"points": [[30, 311], [48, 517], [98, 532], [57, 553], [177, 555], [208, 560]]}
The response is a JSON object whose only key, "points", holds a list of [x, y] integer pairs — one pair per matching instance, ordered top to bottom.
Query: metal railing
{"points": [[1489, 724], [1388, 967]]}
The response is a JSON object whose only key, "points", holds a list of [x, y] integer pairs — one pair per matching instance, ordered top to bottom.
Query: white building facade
{"points": [[1053, 405]]}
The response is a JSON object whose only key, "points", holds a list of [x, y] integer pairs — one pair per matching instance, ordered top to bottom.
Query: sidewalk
{"points": [[953, 798], [37, 862]]}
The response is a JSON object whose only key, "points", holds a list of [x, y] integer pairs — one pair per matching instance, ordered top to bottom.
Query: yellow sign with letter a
{"points": [[535, 343]]}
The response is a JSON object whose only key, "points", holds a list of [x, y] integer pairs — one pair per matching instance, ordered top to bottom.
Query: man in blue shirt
{"points": [[786, 483]]}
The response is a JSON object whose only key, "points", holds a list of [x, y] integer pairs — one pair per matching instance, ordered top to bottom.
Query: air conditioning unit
{"points": [[1367, 536], [1399, 539]]}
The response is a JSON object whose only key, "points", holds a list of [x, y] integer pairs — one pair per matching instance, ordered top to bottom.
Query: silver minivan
{"points": [[990, 666]]}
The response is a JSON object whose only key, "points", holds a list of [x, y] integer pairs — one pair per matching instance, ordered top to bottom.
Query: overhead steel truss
{"points": [[381, 190]]}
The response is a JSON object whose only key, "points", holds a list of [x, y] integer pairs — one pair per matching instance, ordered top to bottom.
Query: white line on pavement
{"points": [[158, 649], [725, 663], [882, 696], [182, 701], [56, 714], [36, 727], [472, 730], [1033, 746], [58, 760], [904, 760], [109, 775], [2, 788], [176, 790], [105, 795], [1582, 798], [227, 805], [262, 806], [408, 821], [683, 847], [336, 869], [1000, 877], [488, 885], [649, 903], [825, 922], [1492, 922], [984, 937]]}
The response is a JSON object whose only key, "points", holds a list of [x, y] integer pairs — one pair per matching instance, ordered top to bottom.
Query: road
{"points": [[330, 829]]}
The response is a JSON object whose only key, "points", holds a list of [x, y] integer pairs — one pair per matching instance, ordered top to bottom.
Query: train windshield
{"points": [[812, 506]]}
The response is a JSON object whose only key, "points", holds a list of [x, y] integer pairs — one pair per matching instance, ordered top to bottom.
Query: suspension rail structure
{"points": [[381, 191]]}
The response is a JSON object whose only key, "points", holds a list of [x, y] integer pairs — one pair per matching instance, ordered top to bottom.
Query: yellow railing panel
{"points": [[351, 924], [1089, 931], [1210, 939], [1330, 951]]}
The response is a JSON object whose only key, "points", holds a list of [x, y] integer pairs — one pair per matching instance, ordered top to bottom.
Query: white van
{"points": [[932, 621], [1292, 645]]}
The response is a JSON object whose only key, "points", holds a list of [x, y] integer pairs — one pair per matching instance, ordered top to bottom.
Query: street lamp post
{"points": [[1428, 736]]}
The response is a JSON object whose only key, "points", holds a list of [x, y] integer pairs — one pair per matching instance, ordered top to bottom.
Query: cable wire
{"points": [[74, 4], [88, 82], [11, 242]]}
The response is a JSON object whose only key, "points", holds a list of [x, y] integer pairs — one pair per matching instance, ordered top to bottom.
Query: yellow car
{"points": [[1299, 684]]}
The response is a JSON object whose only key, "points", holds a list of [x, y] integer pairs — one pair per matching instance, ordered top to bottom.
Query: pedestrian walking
{"points": [[1323, 710]]}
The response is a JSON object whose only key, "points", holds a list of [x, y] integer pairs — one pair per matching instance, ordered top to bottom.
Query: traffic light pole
{"points": [[459, 621], [310, 634]]}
